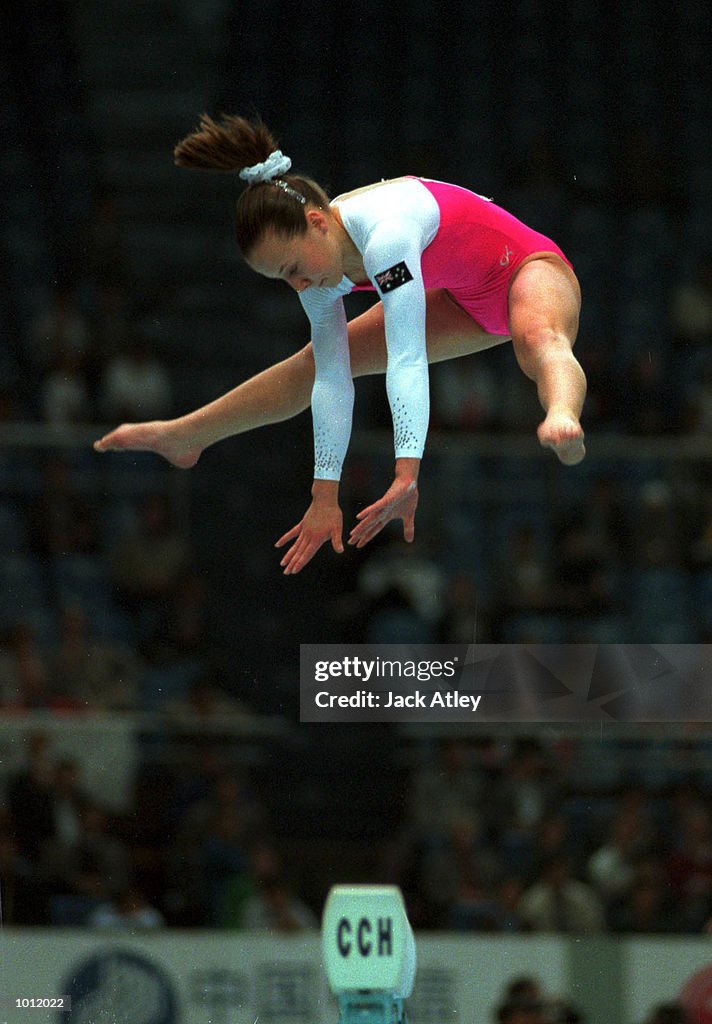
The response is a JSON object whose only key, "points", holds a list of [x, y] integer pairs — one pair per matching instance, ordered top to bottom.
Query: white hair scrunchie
{"points": [[275, 164]]}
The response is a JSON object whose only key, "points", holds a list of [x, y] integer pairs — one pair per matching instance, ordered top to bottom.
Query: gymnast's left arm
{"points": [[392, 261]]}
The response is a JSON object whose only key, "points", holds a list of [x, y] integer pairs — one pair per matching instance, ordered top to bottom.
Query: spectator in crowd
{"points": [[105, 261], [691, 312], [60, 330], [112, 331], [135, 385], [65, 393], [465, 395], [517, 404], [650, 407], [604, 409], [698, 414], [605, 518], [60, 520], [659, 537], [701, 541], [148, 565], [584, 571], [414, 574], [525, 575], [392, 618], [466, 618], [182, 631], [24, 674], [94, 674], [204, 703], [446, 790], [232, 793], [526, 794], [29, 797], [69, 800], [551, 838], [94, 865], [224, 866], [611, 867], [689, 868], [458, 877], [509, 894], [23, 902], [559, 903], [273, 906], [648, 906], [128, 911], [524, 987], [524, 997], [522, 1011], [563, 1012], [668, 1013]]}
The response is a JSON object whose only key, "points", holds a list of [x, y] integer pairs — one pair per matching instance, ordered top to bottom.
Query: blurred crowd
{"points": [[493, 836], [503, 840], [211, 861], [525, 1001]]}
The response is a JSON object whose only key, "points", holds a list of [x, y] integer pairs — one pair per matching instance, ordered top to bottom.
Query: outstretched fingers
{"points": [[399, 502], [307, 541]]}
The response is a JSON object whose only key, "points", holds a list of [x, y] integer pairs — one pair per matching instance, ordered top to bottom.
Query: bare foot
{"points": [[562, 432], [158, 436]]}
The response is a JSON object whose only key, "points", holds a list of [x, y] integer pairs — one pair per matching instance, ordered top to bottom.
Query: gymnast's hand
{"points": [[399, 502], [322, 521]]}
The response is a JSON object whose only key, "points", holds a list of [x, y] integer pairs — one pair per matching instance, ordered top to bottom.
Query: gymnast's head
{"points": [[284, 222]]}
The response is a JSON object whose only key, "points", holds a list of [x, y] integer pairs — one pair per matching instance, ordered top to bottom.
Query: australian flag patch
{"points": [[391, 279]]}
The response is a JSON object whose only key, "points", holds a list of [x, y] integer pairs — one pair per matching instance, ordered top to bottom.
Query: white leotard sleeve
{"points": [[390, 226], [332, 398]]}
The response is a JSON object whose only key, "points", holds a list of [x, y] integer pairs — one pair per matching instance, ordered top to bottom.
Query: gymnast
{"points": [[454, 273]]}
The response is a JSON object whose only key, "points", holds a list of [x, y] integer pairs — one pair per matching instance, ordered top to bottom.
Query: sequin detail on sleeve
{"points": [[405, 438], [327, 461]]}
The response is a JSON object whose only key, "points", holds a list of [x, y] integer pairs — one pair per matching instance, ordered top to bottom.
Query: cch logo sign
{"points": [[365, 937], [367, 941]]}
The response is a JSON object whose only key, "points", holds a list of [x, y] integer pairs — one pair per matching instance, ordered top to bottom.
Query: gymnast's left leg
{"points": [[544, 305]]}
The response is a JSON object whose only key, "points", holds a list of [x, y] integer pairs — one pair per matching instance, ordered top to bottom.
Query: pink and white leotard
{"points": [[413, 234]]}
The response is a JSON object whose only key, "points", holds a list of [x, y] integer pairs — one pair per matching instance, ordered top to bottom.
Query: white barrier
{"points": [[173, 977]]}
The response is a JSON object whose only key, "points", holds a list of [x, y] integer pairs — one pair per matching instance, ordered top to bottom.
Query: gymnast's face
{"points": [[310, 260]]}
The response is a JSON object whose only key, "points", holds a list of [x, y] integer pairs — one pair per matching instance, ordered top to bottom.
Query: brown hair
{"points": [[234, 143]]}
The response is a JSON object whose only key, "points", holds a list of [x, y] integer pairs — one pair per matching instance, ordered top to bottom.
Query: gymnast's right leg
{"points": [[284, 390]]}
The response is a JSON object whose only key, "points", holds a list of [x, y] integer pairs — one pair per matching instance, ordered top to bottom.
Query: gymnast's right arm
{"points": [[332, 403]]}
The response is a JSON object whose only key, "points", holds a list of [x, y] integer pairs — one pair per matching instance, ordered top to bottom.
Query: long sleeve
{"points": [[391, 227], [392, 262], [333, 391]]}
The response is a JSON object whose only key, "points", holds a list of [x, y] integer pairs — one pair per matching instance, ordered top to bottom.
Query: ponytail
{"points": [[236, 143], [230, 145]]}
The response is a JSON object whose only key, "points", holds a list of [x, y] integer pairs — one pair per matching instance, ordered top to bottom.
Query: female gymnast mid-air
{"points": [[454, 273]]}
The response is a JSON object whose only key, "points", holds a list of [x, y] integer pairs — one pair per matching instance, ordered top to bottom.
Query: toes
{"points": [[570, 452]]}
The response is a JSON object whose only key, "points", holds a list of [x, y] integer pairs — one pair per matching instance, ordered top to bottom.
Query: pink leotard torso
{"points": [[413, 235], [475, 252]]}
